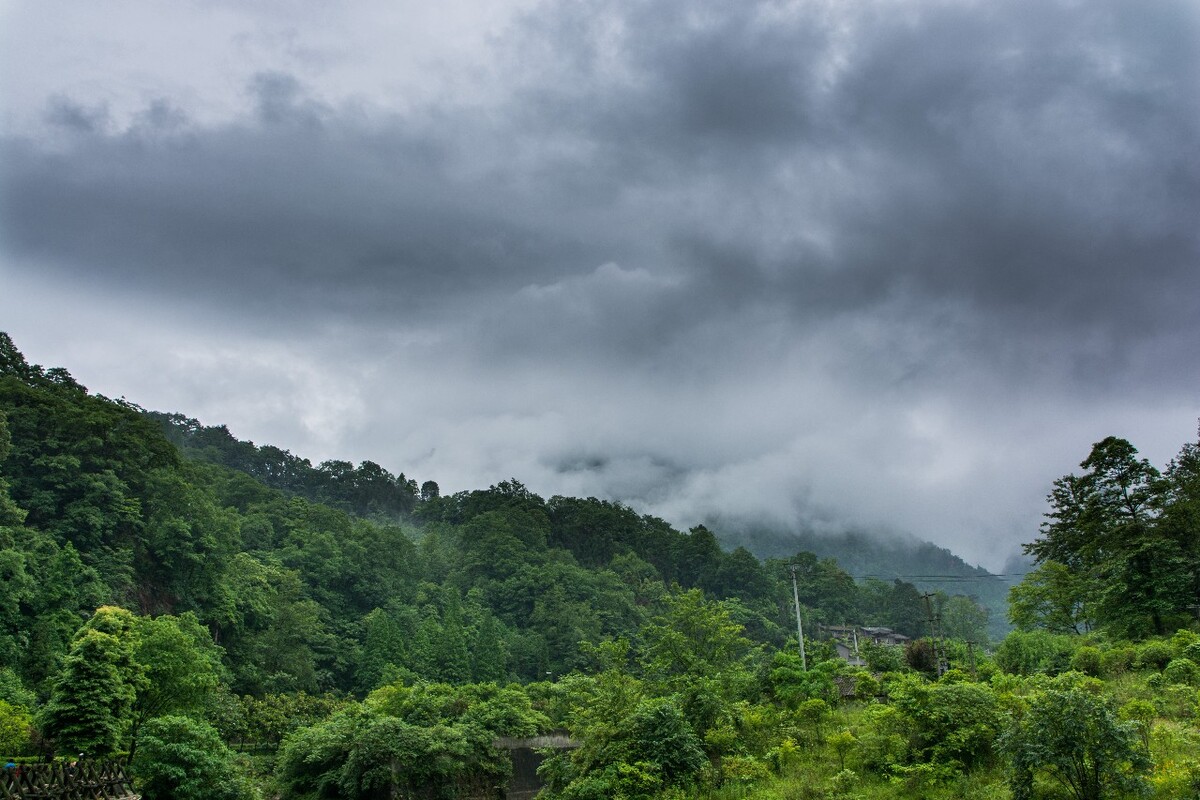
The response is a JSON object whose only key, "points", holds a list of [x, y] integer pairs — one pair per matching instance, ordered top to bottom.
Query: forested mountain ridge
{"points": [[366, 490], [370, 490], [101, 507]]}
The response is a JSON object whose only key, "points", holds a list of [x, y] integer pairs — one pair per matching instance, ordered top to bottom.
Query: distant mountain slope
{"points": [[866, 555]]}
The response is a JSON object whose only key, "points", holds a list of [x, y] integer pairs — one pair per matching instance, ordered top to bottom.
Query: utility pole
{"points": [[799, 627], [935, 635]]}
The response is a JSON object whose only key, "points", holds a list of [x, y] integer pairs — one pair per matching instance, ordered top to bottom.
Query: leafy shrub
{"points": [[1183, 639], [1031, 652], [1153, 655], [882, 657], [1088, 660], [1117, 661], [1182, 670], [955, 676], [792, 685], [865, 686], [12, 690], [1141, 713], [813, 714], [954, 724], [15, 727], [1071, 737], [882, 738], [405, 740], [842, 743], [784, 755], [182, 759], [743, 769], [636, 780], [844, 783]]}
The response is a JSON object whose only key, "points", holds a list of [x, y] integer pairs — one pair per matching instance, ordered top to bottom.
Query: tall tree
{"points": [[1105, 528], [180, 666], [92, 700]]}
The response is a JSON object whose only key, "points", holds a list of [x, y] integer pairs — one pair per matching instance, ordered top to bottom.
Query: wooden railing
{"points": [[81, 780]]}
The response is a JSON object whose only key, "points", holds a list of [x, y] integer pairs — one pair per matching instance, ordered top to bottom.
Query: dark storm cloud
{"points": [[75, 117], [1034, 161], [303, 208], [824, 259]]}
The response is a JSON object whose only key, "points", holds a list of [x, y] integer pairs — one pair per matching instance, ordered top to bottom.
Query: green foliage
{"points": [[367, 489], [1118, 547], [1053, 598], [964, 619], [696, 638], [1032, 652], [1153, 655], [882, 657], [1088, 660], [1117, 660], [179, 665], [1182, 670], [792, 685], [13, 691], [91, 704], [814, 715], [267, 720], [953, 724], [16, 725], [883, 738], [1071, 738], [429, 740], [842, 743], [654, 747], [185, 759]]}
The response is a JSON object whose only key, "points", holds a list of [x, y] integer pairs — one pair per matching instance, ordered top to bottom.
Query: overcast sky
{"points": [[880, 264]]}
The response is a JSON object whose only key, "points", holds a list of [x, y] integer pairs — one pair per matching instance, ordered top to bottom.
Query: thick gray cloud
{"points": [[876, 264]]}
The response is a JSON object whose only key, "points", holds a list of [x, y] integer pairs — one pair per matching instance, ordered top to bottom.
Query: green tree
{"points": [[1104, 527], [1054, 598], [965, 619], [694, 637], [383, 650], [1028, 653], [489, 655], [179, 665], [92, 700], [956, 724], [15, 726], [1071, 738], [428, 740], [651, 748], [184, 759]]}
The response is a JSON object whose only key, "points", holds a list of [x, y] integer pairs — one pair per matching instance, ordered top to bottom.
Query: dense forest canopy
{"points": [[168, 588]]}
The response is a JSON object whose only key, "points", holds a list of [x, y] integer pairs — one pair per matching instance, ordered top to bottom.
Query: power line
{"points": [[987, 576]]}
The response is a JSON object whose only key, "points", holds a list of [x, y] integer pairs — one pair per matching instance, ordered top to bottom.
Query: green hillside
{"points": [[882, 557], [245, 624]]}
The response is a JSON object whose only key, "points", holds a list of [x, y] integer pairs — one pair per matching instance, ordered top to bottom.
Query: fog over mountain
{"points": [[823, 265]]}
